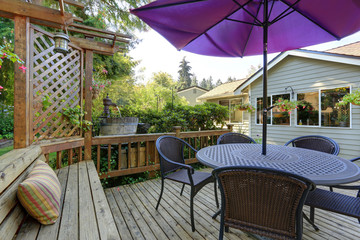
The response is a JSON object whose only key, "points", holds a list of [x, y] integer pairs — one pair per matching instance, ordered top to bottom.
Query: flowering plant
{"points": [[5, 53], [99, 82], [353, 98], [246, 106], [287, 106]]}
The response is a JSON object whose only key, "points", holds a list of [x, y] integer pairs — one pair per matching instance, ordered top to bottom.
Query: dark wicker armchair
{"points": [[234, 138], [317, 143], [173, 167], [262, 201], [336, 202]]}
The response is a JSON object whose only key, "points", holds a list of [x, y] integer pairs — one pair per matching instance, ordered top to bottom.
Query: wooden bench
{"points": [[85, 213]]}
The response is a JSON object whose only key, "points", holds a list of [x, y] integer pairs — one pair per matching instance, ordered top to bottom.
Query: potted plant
{"points": [[353, 98], [286, 105], [245, 107]]}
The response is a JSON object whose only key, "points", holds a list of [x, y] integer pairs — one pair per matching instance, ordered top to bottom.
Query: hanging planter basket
{"points": [[95, 93]]}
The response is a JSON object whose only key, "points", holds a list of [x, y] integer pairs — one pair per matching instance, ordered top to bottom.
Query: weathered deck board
{"points": [[133, 207]]}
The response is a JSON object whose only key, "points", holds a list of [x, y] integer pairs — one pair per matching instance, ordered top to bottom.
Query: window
{"points": [[194, 91], [259, 113], [309, 113], [330, 114], [235, 115], [278, 117]]}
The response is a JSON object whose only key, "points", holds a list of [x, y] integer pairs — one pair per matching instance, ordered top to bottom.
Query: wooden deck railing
{"points": [[122, 155]]}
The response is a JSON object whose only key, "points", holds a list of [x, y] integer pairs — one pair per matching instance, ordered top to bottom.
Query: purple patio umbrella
{"points": [[237, 28]]}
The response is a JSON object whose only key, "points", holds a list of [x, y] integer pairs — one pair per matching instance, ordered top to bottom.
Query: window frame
{"points": [[271, 112], [319, 116], [241, 121]]}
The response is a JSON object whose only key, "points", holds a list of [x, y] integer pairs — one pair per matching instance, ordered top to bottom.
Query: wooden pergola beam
{"points": [[74, 3], [20, 8], [100, 30], [94, 34], [98, 47]]}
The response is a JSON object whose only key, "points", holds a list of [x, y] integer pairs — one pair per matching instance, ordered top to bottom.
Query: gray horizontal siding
{"points": [[308, 75]]}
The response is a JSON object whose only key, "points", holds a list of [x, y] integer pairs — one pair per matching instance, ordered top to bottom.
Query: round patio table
{"points": [[321, 168]]}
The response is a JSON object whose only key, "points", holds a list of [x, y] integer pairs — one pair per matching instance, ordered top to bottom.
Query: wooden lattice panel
{"points": [[56, 83]]}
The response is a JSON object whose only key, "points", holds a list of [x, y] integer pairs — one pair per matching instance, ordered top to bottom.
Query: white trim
{"points": [[331, 57]]}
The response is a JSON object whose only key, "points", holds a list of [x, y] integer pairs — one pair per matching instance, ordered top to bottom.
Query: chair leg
{"points": [[182, 189], [161, 192], [192, 195], [216, 197], [311, 222], [221, 232]]}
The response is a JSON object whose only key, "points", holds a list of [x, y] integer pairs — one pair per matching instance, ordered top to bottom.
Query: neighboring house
{"points": [[320, 79], [191, 93], [224, 95]]}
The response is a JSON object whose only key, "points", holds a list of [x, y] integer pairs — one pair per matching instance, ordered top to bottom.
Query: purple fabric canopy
{"points": [[226, 28], [237, 28]]}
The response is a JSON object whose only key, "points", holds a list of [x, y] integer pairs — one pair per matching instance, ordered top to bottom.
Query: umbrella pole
{"points": [[265, 43]]}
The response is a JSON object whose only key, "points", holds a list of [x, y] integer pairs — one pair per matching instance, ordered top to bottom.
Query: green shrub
{"points": [[7, 123]]}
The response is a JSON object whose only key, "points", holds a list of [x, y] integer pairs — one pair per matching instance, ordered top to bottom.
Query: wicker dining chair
{"points": [[232, 137], [317, 143], [173, 167], [262, 201]]}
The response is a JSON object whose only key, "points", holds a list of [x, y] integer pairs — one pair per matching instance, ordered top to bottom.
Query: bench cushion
{"points": [[40, 194]]}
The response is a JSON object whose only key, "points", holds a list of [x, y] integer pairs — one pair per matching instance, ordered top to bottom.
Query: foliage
{"points": [[6, 52], [184, 80], [207, 83], [353, 98], [286, 105], [246, 106], [75, 117], [190, 118], [7, 123], [5, 150]]}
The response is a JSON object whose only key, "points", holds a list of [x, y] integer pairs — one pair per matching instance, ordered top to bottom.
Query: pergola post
{"points": [[22, 93], [88, 102]]}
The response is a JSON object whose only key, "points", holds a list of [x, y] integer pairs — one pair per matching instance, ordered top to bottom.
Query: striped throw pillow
{"points": [[40, 194]]}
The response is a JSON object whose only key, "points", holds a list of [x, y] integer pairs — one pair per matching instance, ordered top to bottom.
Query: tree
{"points": [[253, 69], [163, 79], [230, 79], [184, 80], [194, 81], [203, 83], [209, 83], [218, 83]]}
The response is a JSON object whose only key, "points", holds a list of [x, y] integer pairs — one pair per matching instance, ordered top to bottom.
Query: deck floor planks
{"points": [[171, 211], [174, 213], [118, 217], [141, 218], [168, 219], [130, 221], [201, 225], [163, 230]]}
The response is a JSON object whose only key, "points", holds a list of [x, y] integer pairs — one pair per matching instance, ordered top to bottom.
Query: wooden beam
{"points": [[74, 3], [61, 5], [17, 7], [100, 30], [94, 34], [95, 46], [21, 84], [88, 102]]}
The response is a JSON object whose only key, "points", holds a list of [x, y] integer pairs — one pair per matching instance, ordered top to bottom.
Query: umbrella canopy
{"points": [[237, 28]]}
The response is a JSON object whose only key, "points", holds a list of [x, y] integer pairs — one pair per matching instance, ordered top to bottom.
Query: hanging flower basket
{"points": [[95, 93], [353, 98], [286, 105], [245, 107]]}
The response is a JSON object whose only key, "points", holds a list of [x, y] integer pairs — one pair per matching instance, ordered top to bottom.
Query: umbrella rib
{"points": [[166, 5], [272, 6], [243, 7], [282, 15], [216, 23], [256, 24], [252, 27], [326, 30], [216, 45]]}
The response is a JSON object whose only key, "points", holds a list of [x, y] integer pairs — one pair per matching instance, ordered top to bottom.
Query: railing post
{"points": [[88, 102], [230, 127], [177, 131]]}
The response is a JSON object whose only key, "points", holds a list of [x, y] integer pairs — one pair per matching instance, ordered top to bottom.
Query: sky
{"points": [[157, 54]]}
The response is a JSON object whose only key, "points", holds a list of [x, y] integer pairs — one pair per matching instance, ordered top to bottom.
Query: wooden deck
{"points": [[133, 208]]}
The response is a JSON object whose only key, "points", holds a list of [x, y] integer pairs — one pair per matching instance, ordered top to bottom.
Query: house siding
{"points": [[310, 75], [190, 96]]}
